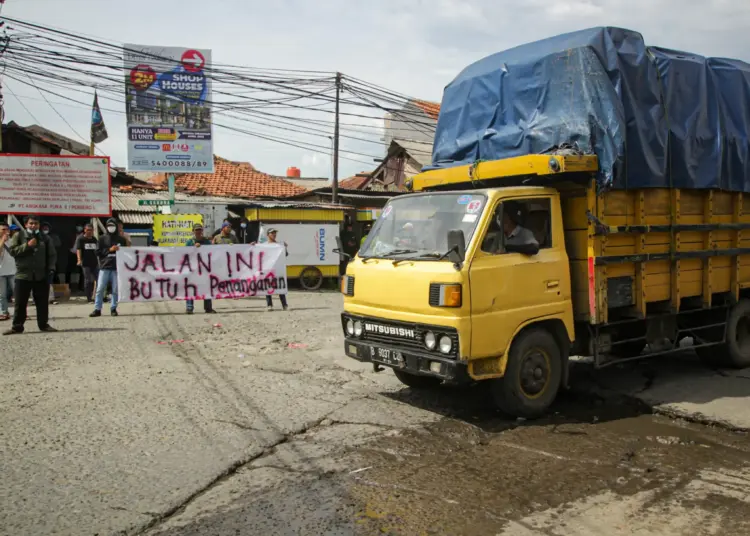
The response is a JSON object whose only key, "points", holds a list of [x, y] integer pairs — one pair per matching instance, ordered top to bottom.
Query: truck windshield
{"points": [[418, 225]]}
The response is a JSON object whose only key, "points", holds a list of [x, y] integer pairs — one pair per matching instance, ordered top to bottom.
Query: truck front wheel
{"points": [[734, 352], [532, 375]]}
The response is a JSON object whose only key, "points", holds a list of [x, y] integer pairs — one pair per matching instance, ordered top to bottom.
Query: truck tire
{"points": [[734, 352], [532, 375], [416, 382]]}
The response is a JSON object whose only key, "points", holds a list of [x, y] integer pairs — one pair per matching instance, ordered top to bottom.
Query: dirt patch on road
{"points": [[476, 472]]}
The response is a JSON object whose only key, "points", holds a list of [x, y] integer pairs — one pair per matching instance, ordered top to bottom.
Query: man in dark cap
{"points": [[226, 235], [197, 241], [109, 244], [35, 258]]}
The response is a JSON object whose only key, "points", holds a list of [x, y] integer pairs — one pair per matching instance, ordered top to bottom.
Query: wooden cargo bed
{"points": [[634, 251]]}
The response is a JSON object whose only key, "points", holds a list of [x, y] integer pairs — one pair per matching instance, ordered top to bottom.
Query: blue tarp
{"points": [[654, 117]]}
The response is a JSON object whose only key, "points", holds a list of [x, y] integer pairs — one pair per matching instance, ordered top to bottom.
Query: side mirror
{"points": [[456, 246], [523, 249]]}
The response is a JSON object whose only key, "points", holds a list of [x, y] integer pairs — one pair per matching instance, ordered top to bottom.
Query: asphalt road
{"points": [[249, 422]]}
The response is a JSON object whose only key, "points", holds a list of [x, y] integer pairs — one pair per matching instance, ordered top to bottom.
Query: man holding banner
{"points": [[272, 233], [197, 241], [109, 245]]}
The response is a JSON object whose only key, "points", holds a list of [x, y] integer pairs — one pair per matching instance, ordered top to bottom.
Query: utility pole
{"points": [[335, 185]]}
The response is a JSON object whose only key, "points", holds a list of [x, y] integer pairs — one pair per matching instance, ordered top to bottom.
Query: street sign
{"points": [[193, 61], [155, 202]]}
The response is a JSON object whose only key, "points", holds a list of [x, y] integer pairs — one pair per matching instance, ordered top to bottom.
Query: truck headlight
{"points": [[350, 327], [358, 328], [430, 340], [446, 344]]}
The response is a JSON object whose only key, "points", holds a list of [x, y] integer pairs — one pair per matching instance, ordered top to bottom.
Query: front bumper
{"points": [[414, 362]]}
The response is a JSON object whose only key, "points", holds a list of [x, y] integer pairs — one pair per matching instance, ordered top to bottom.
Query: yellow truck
{"points": [[587, 196], [438, 294]]}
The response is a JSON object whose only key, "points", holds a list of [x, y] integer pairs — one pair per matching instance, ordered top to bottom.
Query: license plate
{"points": [[387, 357]]}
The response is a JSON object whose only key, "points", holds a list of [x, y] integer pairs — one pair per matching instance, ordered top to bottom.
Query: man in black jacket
{"points": [[107, 251], [35, 262]]}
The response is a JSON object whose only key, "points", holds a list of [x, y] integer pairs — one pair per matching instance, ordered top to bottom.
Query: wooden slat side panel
{"points": [[656, 281]]}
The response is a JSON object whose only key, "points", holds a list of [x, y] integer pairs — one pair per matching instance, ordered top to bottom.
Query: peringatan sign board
{"points": [[55, 185]]}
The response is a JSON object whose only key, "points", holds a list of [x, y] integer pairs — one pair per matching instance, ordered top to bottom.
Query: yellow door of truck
{"points": [[509, 290]]}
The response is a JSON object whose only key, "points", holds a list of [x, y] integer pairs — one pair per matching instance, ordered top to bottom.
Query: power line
{"points": [[83, 61], [58, 113], [33, 117], [293, 143]]}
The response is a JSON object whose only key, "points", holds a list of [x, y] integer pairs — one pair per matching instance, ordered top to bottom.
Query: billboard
{"points": [[168, 109], [55, 185]]}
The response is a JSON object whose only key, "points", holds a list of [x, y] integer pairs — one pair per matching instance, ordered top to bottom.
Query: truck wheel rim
{"points": [[534, 373]]}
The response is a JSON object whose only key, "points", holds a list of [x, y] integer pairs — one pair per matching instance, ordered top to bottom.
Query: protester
{"points": [[243, 230], [13, 231], [231, 231], [122, 233], [226, 235], [197, 241], [349, 243], [107, 251], [35, 257], [88, 260], [73, 262], [59, 263], [7, 271], [282, 297]]}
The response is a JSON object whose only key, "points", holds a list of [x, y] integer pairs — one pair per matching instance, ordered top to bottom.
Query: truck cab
{"points": [[443, 286]]}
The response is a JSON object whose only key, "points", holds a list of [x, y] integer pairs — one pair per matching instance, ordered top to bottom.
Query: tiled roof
{"points": [[430, 108], [236, 179], [357, 182]]}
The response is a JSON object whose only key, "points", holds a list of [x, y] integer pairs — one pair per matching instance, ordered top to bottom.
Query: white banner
{"points": [[168, 108], [52, 185], [310, 244], [205, 273]]}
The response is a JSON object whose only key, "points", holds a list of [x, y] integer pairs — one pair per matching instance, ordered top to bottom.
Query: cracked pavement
{"points": [[159, 423]]}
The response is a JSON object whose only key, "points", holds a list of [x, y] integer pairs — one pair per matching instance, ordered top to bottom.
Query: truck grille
{"points": [[434, 298], [402, 334]]}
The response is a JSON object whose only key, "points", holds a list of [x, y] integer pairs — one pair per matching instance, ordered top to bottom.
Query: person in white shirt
{"points": [[515, 234], [7, 271], [282, 297]]}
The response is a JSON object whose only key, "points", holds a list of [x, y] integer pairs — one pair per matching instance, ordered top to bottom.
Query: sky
{"points": [[414, 47]]}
